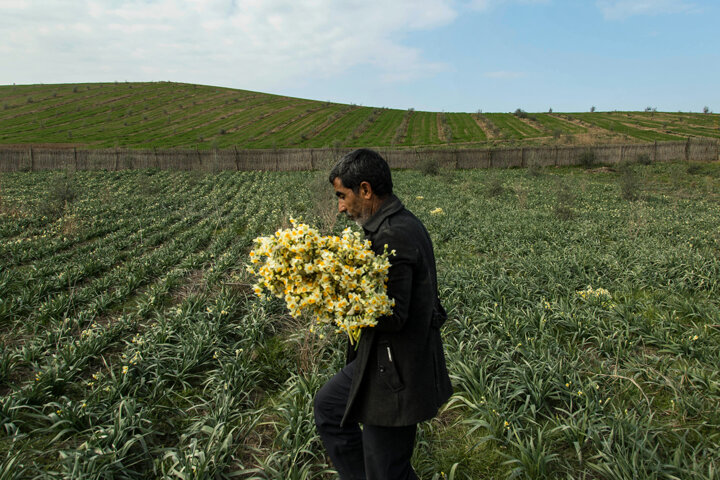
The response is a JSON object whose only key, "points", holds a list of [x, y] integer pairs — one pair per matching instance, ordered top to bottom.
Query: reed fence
{"points": [[13, 158]]}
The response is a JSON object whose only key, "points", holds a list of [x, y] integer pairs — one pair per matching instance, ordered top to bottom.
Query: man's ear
{"points": [[366, 191]]}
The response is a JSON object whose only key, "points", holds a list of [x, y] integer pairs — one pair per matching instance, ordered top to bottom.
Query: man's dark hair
{"points": [[363, 165]]}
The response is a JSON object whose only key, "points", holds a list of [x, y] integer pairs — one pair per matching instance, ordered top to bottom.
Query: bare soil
{"points": [[482, 123]]}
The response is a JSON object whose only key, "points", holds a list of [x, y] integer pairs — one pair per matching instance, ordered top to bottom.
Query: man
{"points": [[396, 377]]}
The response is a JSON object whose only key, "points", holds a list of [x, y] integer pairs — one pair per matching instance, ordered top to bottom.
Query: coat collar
{"points": [[390, 206]]}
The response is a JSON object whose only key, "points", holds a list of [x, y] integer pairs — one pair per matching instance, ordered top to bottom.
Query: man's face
{"points": [[355, 206]]}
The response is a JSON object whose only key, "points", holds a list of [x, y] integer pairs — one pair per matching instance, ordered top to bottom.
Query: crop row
{"points": [[147, 115], [617, 125], [86, 337], [582, 337]]}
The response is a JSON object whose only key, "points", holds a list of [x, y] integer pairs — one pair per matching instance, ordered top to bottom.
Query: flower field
{"points": [[583, 336]]}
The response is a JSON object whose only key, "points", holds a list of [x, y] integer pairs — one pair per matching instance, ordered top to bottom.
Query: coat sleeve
{"points": [[400, 280]]}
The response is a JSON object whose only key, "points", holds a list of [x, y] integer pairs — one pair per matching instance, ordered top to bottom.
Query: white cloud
{"points": [[487, 4], [620, 9], [258, 44], [504, 75]]}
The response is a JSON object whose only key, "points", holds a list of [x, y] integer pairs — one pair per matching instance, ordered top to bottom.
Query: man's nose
{"points": [[341, 207]]}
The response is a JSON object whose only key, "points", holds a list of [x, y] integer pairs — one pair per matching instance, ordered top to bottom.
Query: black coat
{"points": [[400, 377]]}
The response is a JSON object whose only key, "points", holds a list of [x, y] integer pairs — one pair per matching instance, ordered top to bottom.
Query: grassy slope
{"points": [[163, 115]]}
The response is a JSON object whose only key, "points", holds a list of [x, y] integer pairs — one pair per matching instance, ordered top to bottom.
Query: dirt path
{"points": [[441, 123], [536, 125], [486, 126]]}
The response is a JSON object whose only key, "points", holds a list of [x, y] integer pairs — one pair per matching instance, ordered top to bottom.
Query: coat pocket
{"points": [[387, 367]]}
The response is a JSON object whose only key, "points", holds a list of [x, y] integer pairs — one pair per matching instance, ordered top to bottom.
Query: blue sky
{"points": [[450, 55]]}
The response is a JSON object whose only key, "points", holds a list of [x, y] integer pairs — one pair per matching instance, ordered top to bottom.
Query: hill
{"points": [[163, 114]]}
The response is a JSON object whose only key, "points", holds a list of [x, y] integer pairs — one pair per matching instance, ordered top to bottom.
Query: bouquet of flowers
{"points": [[335, 280]]}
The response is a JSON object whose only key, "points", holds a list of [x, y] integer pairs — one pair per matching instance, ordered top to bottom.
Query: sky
{"points": [[430, 55]]}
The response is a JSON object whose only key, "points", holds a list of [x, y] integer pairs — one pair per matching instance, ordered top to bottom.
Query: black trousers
{"points": [[368, 453]]}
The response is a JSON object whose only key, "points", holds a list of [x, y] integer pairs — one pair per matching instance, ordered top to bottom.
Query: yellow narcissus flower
{"points": [[337, 280], [598, 295]]}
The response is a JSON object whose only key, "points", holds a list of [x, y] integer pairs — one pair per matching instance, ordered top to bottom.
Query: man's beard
{"points": [[361, 219]]}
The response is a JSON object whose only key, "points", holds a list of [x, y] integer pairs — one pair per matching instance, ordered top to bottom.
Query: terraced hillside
{"points": [[146, 115]]}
